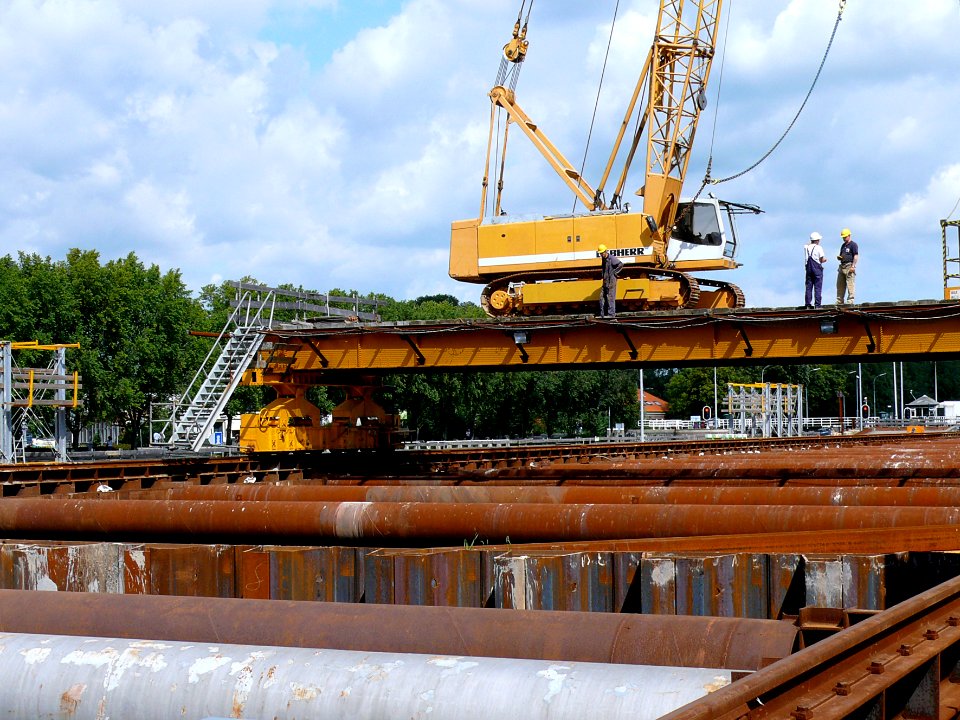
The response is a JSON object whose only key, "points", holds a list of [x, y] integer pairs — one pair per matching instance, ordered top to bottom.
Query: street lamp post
{"points": [[762, 371], [852, 372], [875, 391], [806, 392]]}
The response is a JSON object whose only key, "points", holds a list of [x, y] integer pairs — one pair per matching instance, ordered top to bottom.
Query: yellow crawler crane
{"points": [[549, 264]]}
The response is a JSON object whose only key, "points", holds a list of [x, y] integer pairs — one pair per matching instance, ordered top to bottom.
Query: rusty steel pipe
{"points": [[758, 465], [712, 495], [456, 522], [667, 640]]}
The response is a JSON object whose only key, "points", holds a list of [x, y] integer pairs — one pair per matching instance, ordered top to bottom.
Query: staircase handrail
{"points": [[233, 322]]}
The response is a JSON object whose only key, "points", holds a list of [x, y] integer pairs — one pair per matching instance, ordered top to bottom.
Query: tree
{"points": [[134, 333]]}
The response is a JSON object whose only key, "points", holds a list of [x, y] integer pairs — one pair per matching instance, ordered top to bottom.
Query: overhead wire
{"points": [[708, 180]]}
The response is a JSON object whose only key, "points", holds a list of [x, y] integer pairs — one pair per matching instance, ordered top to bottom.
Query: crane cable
{"points": [[513, 68], [501, 79], [596, 103], [707, 180]]}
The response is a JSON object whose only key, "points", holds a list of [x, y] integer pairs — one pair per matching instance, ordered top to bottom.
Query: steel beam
{"points": [[900, 331], [902, 662]]}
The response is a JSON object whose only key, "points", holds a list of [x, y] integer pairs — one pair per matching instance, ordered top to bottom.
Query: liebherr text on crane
{"points": [[550, 264]]}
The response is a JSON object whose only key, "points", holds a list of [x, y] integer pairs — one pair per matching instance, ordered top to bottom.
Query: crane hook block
{"points": [[515, 50]]}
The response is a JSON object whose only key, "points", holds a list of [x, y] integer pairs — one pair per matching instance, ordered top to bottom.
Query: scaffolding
{"points": [[951, 260], [28, 396], [766, 409]]}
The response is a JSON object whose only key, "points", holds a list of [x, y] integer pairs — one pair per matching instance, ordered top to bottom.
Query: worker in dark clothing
{"points": [[610, 271], [847, 272]]}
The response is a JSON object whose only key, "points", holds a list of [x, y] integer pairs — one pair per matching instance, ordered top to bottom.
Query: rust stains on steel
{"points": [[906, 459], [713, 494], [456, 522], [937, 538], [736, 643], [886, 665]]}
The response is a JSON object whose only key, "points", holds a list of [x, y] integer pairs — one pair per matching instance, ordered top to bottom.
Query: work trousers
{"points": [[846, 283], [814, 288], [608, 300]]}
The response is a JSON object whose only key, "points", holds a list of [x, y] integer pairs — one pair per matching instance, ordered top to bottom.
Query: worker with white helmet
{"points": [[813, 261], [610, 267], [847, 274]]}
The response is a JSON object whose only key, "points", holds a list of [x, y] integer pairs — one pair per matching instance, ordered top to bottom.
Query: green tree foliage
{"points": [[429, 307], [131, 322]]}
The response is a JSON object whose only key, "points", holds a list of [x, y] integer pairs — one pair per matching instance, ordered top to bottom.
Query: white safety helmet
{"points": [[815, 237]]}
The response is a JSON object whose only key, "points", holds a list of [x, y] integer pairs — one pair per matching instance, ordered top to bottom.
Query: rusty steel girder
{"points": [[445, 522], [734, 643], [901, 663]]}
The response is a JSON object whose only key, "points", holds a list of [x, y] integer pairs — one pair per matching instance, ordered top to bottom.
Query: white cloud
{"points": [[177, 131]]}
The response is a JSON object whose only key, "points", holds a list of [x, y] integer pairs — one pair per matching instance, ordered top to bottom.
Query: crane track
{"points": [[739, 300], [491, 304]]}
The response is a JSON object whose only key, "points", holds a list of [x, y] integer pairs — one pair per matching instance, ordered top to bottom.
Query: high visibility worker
{"points": [[847, 273]]}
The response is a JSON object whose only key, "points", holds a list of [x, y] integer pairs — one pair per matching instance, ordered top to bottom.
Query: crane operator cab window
{"points": [[700, 224], [700, 229]]}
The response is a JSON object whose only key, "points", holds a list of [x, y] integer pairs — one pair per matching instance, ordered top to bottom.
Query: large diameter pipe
{"points": [[877, 463], [703, 495], [53, 518], [666, 640], [52, 676]]}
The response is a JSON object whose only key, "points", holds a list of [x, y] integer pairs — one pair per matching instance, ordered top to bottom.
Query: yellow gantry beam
{"points": [[900, 331]]}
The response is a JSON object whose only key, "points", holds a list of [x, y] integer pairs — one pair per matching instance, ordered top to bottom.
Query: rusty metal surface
{"points": [[482, 464], [605, 494], [432, 522], [331, 573], [460, 577], [555, 581], [587, 637], [898, 663]]}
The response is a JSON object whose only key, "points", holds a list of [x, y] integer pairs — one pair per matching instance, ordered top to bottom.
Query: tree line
{"points": [[137, 330]]}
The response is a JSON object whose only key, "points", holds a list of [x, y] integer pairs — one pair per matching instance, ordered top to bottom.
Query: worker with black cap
{"points": [[813, 261], [610, 270], [847, 274]]}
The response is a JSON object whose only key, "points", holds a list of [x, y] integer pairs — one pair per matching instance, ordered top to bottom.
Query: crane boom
{"points": [[682, 53]]}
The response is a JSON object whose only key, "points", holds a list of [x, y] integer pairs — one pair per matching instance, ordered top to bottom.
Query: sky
{"points": [[330, 144]]}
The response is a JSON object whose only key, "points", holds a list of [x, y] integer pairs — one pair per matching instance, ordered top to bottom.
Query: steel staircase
{"points": [[210, 390]]}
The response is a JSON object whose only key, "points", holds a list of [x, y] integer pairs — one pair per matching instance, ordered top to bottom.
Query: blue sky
{"points": [[318, 30], [330, 145]]}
